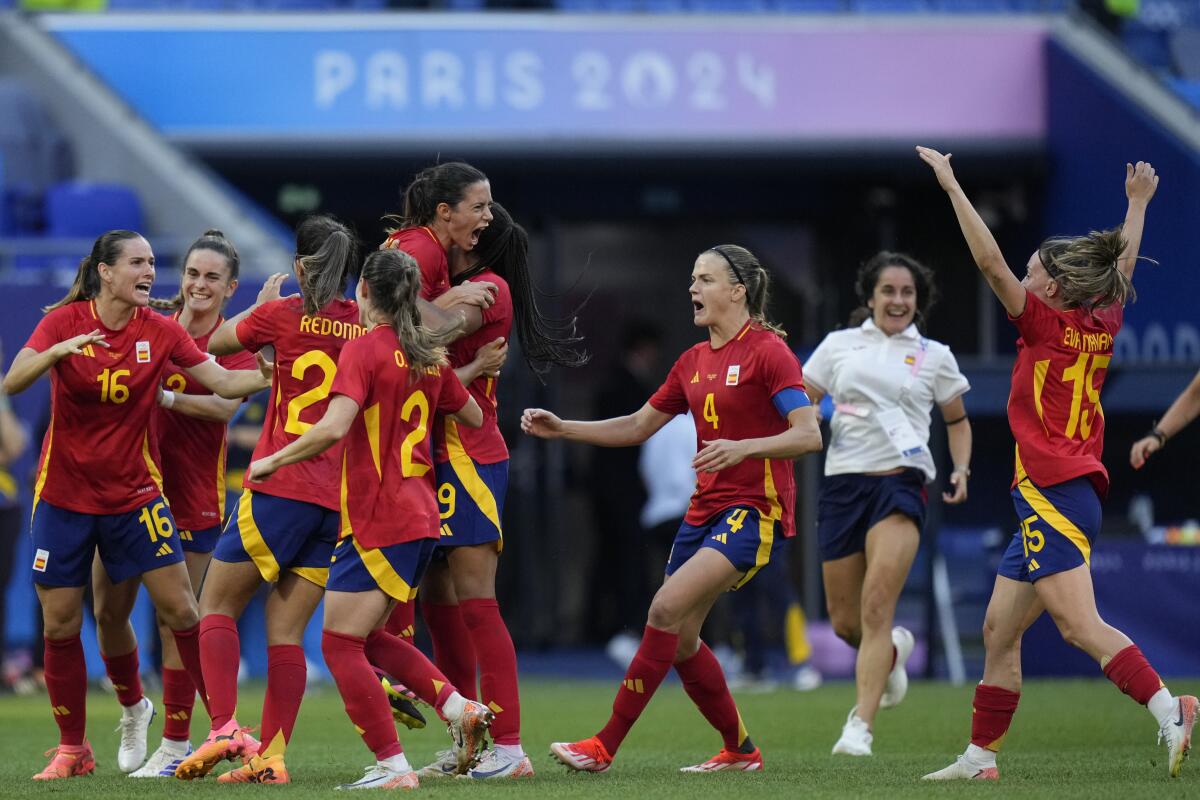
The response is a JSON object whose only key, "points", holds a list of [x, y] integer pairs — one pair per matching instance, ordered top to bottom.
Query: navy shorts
{"points": [[471, 502], [850, 505], [1059, 523], [278, 533], [740, 533], [204, 541], [64, 543], [395, 570]]}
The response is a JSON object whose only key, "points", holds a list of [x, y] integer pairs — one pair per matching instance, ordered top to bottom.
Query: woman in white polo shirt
{"points": [[885, 378]]}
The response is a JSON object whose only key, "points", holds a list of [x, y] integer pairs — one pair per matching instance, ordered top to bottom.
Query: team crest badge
{"points": [[143, 352], [731, 377], [40, 559]]}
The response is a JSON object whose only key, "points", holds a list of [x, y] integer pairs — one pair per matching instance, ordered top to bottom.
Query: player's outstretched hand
{"points": [[941, 166], [1141, 181], [270, 288], [75, 345], [491, 357], [541, 423], [1142, 449], [719, 454], [262, 469]]}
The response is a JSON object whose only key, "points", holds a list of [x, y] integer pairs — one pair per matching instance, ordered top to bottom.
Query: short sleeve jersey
{"points": [[423, 245], [306, 363], [866, 371], [729, 392], [1054, 406], [484, 445], [192, 451], [97, 457], [387, 494]]}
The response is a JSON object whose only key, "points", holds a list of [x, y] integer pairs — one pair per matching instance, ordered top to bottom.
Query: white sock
{"points": [[454, 706], [1162, 706], [175, 748], [510, 750], [980, 756], [397, 763]]}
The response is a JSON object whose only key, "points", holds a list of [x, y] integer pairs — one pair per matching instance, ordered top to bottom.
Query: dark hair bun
{"points": [[213, 232]]}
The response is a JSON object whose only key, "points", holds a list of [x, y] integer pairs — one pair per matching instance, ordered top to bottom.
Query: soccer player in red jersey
{"points": [[1067, 311], [390, 383], [745, 391], [98, 486], [286, 526], [459, 589]]}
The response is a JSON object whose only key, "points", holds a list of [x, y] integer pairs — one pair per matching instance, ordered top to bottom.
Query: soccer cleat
{"points": [[897, 680], [404, 710], [134, 725], [468, 731], [1178, 734], [856, 737], [228, 743], [589, 755], [729, 759], [69, 761], [164, 761], [444, 764], [498, 764], [258, 769], [964, 770], [379, 776]]}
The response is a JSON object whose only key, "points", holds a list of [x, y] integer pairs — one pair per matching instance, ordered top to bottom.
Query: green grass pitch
{"points": [[1070, 739]]}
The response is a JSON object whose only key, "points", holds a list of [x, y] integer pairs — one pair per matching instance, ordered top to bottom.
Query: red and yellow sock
{"points": [[453, 651], [220, 652], [650, 665], [498, 667], [287, 674], [1133, 675], [126, 678], [66, 683], [705, 683], [362, 694], [179, 698], [991, 714]]}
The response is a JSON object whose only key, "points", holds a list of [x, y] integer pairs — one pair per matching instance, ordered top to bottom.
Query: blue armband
{"points": [[788, 400]]}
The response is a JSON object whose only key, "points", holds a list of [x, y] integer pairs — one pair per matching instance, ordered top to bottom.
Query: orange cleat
{"points": [[468, 732], [228, 743], [589, 755], [728, 759], [69, 761], [258, 769]]}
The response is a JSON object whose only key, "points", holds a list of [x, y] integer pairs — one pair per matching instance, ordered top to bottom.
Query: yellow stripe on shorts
{"points": [[468, 476], [1046, 510], [253, 542], [383, 573]]}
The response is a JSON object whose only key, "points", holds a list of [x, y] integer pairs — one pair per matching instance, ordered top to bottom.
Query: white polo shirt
{"points": [[867, 373]]}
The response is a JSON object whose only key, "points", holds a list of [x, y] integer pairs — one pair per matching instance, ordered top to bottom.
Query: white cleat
{"points": [[897, 681], [134, 725], [1178, 733], [856, 737], [165, 761], [498, 764], [444, 765], [964, 770], [381, 776]]}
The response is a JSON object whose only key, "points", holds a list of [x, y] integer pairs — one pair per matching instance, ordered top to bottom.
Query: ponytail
{"points": [[442, 183], [214, 240], [106, 250], [327, 252], [744, 268], [1087, 269], [395, 283]]}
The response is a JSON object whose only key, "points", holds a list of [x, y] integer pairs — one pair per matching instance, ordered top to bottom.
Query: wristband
{"points": [[167, 400], [1157, 434]]}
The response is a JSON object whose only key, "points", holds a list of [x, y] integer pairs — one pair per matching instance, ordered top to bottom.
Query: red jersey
{"points": [[423, 245], [306, 359], [729, 392], [1054, 405], [484, 444], [191, 450], [97, 456], [387, 494]]}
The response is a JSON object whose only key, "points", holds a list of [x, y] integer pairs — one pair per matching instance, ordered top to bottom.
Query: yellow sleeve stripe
{"points": [[43, 471], [468, 476], [1046, 510]]}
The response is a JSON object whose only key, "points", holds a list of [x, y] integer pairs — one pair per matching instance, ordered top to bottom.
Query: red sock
{"points": [[401, 622], [187, 643], [220, 651], [453, 651], [398, 658], [650, 665], [498, 666], [287, 673], [1133, 675], [125, 677], [66, 682], [705, 683], [362, 693], [179, 698], [991, 714]]}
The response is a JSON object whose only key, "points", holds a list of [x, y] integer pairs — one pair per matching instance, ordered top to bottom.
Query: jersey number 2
{"points": [[313, 358]]}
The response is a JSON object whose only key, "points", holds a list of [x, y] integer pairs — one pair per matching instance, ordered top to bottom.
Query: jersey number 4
{"points": [[710, 410]]}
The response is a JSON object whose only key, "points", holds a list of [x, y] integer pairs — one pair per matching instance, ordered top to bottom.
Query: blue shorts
{"points": [[471, 502], [850, 505], [1059, 523], [278, 533], [739, 533], [204, 541], [64, 543], [395, 570]]}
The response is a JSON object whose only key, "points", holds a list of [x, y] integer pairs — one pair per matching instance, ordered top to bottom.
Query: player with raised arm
{"points": [[1067, 310], [1183, 410]]}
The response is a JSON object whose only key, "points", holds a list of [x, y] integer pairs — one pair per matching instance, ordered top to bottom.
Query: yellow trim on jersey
{"points": [[1039, 383], [371, 420], [1020, 468], [43, 472], [155, 474], [468, 476], [221, 482], [1046, 510], [766, 525], [344, 527], [252, 539], [315, 575], [385, 576]]}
